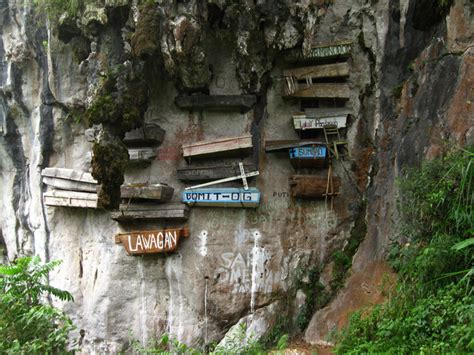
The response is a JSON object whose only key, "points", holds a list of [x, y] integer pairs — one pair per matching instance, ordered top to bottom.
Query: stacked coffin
{"points": [[141, 142], [71, 188], [148, 202]]}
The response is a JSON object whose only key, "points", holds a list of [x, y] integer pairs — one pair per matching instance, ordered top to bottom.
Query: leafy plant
{"points": [[432, 310], [26, 324]]}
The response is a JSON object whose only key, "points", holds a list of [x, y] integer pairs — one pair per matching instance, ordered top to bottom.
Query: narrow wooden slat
{"points": [[319, 71], [216, 102], [323, 112]]}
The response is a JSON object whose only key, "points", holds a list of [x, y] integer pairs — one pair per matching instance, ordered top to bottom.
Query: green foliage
{"points": [[56, 8], [432, 310], [27, 325], [240, 343], [165, 345]]}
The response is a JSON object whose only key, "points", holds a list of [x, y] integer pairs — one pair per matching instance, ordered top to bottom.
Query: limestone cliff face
{"points": [[411, 90]]}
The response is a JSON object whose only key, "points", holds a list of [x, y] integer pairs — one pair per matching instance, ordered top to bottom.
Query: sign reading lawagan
{"points": [[151, 242]]}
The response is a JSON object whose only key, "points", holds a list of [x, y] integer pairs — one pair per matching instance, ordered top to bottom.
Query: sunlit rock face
{"points": [[409, 83]]}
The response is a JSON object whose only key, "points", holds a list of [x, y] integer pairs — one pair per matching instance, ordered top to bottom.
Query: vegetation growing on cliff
{"points": [[431, 310], [26, 324]]}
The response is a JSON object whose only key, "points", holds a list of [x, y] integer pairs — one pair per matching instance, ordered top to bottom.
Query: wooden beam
{"points": [[319, 71], [319, 90], [216, 102], [324, 112], [148, 135], [276, 145], [221, 146], [69, 174], [70, 185], [312, 186], [158, 192], [130, 212]]}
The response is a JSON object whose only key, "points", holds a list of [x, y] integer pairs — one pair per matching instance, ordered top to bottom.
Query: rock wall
{"points": [[411, 89]]}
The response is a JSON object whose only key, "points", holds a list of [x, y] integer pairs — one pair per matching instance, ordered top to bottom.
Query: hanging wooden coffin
{"points": [[332, 50], [316, 90], [216, 102], [148, 135], [218, 147], [141, 155], [313, 156], [211, 172], [68, 179], [311, 186], [158, 192], [222, 197], [70, 199], [144, 211], [151, 242]]}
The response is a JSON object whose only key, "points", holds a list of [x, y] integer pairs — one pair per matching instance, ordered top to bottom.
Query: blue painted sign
{"points": [[309, 152], [222, 197]]}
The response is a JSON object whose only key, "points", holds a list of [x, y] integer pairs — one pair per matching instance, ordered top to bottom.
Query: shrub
{"points": [[27, 325]]}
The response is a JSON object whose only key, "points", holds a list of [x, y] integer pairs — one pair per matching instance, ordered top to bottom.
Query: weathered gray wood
{"points": [[332, 50], [318, 71], [319, 90], [216, 102], [148, 135], [275, 145], [221, 146], [141, 155], [209, 173], [69, 174], [70, 185], [311, 186], [158, 192], [70, 199], [129, 212]]}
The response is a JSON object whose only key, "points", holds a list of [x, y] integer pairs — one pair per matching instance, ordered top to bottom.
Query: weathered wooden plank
{"points": [[332, 50], [318, 71], [319, 90], [216, 102], [303, 122], [148, 135], [276, 145], [218, 146], [141, 155], [313, 156], [213, 172], [68, 174], [70, 185], [311, 186], [159, 192], [222, 197], [65, 198], [128, 212], [151, 242]]}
